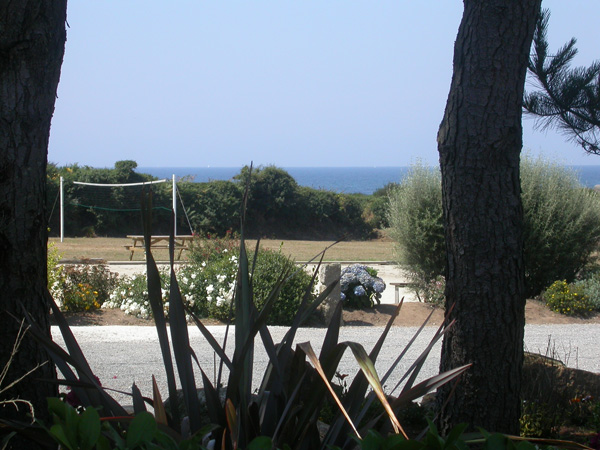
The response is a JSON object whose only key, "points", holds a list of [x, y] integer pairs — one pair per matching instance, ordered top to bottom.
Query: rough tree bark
{"points": [[32, 41], [479, 143]]}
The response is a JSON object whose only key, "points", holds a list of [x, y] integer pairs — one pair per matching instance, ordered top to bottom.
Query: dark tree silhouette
{"points": [[32, 44], [567, 98], [479, 143]]}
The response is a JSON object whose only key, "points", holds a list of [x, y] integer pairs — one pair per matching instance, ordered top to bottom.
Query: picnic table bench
{"points": [[158, 242], [397, 287]]}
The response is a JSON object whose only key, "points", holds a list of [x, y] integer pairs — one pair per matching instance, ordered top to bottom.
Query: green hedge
{"points": [[277, 206], [561, 223]]}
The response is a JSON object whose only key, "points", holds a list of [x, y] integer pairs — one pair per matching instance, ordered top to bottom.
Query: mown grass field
{"points": [[113, 249]]}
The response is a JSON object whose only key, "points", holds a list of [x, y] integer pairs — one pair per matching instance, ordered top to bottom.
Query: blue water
{"points": [[349, 180]]}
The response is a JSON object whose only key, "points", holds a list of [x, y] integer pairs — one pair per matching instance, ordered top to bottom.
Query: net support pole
{"points": [[174, 207], [62, 212]]}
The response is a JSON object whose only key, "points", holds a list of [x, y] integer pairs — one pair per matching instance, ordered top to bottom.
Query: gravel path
{"points": [[121, 355]]}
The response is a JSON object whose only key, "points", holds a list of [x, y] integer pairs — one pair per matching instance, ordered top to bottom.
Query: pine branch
{"points": [[568, 98]]}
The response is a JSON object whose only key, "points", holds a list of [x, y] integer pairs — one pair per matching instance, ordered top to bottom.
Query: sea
{"points": [[348, 180]]}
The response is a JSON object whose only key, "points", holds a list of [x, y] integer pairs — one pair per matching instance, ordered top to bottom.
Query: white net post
{"points": [[114, 185], [174, 207], [62, 211]]}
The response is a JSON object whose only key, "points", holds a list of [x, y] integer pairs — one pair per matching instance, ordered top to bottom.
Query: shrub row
{"points": [[277, 206], [561, 223], [207, 284]]}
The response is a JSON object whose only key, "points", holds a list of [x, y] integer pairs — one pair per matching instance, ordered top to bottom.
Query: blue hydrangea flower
{"points": [[378, 285], [359, 291]]}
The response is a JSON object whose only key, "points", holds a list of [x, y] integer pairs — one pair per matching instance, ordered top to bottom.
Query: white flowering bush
{"points": [[54, 270], [360, 286], [207, 289], [131, 296]]}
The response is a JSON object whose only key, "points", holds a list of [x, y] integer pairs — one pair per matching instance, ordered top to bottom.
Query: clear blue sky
{"points": [[290, 83]]}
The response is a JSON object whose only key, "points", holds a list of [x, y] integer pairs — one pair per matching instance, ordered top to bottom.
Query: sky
{"points": [[308, 83]]}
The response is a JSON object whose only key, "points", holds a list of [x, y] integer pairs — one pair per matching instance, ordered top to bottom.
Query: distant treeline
{"points": [[277, 206]]}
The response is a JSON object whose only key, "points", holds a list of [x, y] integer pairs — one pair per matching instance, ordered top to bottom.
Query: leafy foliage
{"points": [[568, 98], [277, 206], [376, 210], [416, 223], [561, 224], [206, 249], [269, 265], [53, 268], [590, 286], [83, 287], [431, 291], [567, 299], [285, 408], [539, 420], [74, 430]]}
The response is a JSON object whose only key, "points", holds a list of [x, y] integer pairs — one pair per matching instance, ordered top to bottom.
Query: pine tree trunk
{"points": [[32, 41], [479, 143]]}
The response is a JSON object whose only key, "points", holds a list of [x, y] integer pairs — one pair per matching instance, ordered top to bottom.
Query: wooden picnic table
{"points": [[162, 242]]}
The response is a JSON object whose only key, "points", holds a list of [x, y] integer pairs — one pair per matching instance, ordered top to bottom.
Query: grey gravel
{"points": [[122, 355]]}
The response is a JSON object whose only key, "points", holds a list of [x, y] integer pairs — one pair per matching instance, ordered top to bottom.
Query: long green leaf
{"points": [[156, 304], [333, 332], [210, 339], [307, 348], [182, 351], [418, 364], [414, 368], [368, 369], [428, 385], [239, 387], [95, 396], [355, 397], [138, 400], [216, 411], [160, 413], [232, 422]]}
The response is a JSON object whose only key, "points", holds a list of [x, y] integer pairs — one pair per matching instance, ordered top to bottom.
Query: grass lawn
{"points": [[113, 249]]}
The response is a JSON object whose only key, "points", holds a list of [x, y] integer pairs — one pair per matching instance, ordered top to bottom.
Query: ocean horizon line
{"points": [[342, 179]]}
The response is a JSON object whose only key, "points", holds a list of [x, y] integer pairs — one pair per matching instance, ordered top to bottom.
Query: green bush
{"points": [[277, 206], [213, 208], [376, 210], [416, 223], [561, 223], [561, 227], [205, 249], [269, 264], [53, 269], [83, 287], [207, 287], [590, 287], [431, 291], [210, 292], [567, 299], [538, 420]]}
